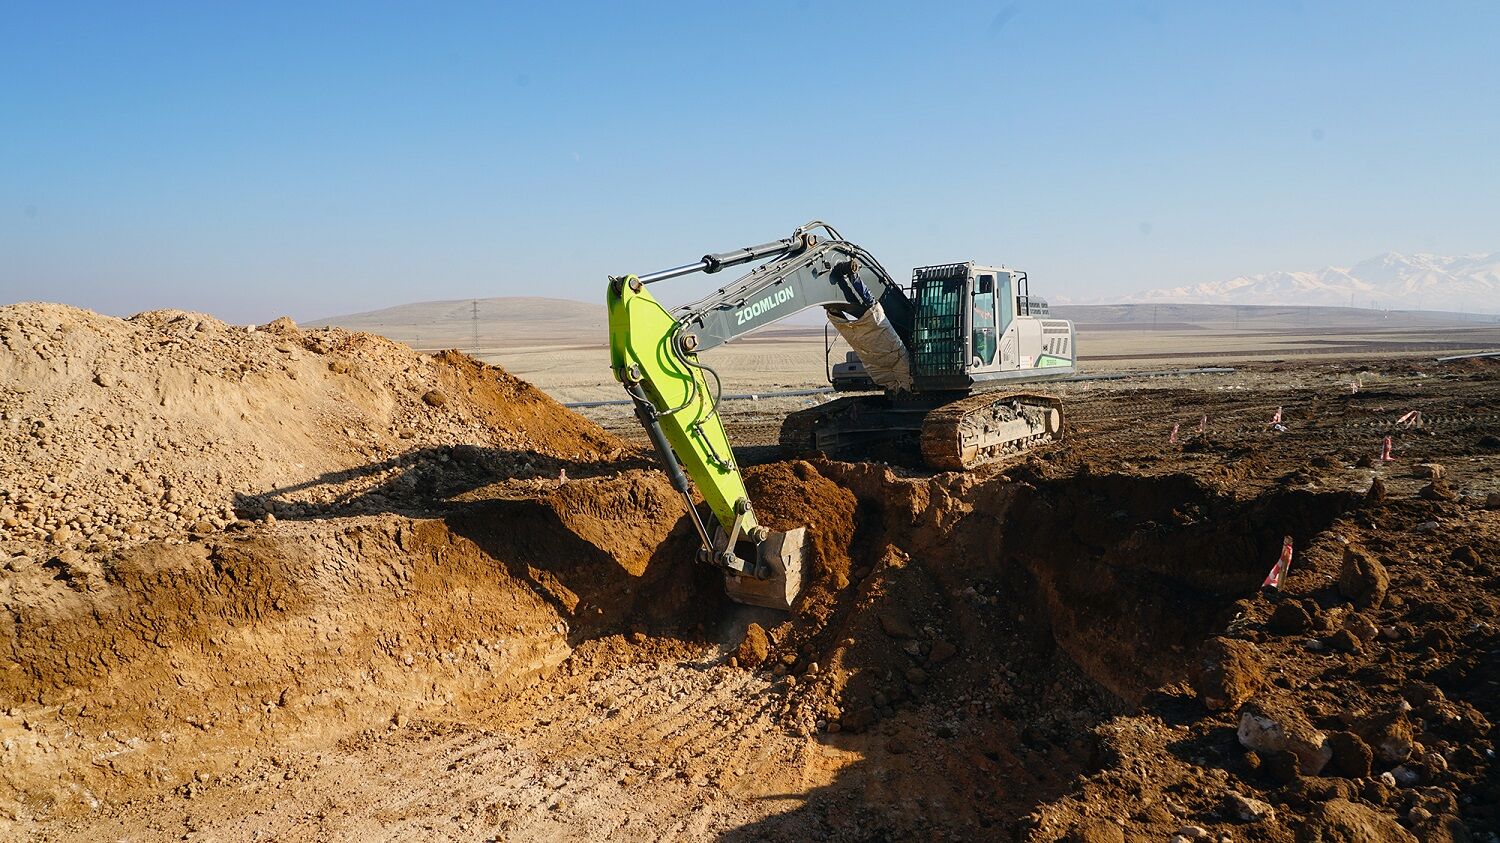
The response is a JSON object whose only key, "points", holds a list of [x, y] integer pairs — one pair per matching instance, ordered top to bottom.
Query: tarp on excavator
{"points": [[878, 345]]}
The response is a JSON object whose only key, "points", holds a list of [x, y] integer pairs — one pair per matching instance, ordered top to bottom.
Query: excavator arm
{"points": [[654, 354]]}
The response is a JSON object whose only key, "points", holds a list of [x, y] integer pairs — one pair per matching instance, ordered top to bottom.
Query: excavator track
{"points": [[988, 427], [799, 431], [953, 436]]}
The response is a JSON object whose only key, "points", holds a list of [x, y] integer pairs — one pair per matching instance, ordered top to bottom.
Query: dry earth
{"points": [[420, 600]]}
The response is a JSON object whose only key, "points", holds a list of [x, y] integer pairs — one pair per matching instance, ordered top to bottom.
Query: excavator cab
{"points": [[974, 324]]}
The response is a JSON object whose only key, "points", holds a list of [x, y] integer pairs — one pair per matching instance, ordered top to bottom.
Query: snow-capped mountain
{"points": [[1393, 281]]}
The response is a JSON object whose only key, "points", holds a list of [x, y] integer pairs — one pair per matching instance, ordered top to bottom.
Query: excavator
{"points": [[941, 352]]}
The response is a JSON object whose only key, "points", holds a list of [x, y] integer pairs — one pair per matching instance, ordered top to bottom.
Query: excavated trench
{"points": [[1120, 573], [991, 621], [995, 623]]}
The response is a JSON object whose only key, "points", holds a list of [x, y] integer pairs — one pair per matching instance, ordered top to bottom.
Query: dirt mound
{"points": [[117, 430], [794, 494], [173, 594], [180, 660]]}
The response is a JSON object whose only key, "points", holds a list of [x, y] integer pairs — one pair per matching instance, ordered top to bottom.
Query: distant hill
{"points": [[1390, 281], [1253, 317], [500, 322], [506, 322], [513, 322]]}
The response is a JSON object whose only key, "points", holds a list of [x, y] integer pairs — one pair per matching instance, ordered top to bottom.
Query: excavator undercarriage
{"points": [[955, 432]]}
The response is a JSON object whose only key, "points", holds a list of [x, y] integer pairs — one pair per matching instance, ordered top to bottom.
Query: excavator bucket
{"points": [[784, 553]]}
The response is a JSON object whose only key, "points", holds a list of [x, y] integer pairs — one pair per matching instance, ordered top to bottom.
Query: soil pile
{"points": [[119, 430], [795, 494], [215, 538], [180, 660]]}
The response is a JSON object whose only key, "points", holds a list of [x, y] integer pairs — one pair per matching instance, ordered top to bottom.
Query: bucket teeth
{"points": [[784, 553]]}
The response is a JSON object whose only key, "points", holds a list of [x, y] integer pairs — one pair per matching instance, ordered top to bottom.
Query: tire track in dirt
{"points": [[507, 773]]}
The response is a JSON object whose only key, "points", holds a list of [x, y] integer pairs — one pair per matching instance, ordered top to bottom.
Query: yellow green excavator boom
{"points": [[652, 356]]}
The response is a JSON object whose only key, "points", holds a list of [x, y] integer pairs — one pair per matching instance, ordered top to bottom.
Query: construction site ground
{"points": [[310, 585]]}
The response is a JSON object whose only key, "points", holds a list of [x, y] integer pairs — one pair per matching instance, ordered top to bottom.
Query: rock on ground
{"points": [[755, 648], [1269, 728]]}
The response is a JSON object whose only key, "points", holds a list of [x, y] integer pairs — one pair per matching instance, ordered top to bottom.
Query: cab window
{"points": [[1005, 302], [985, 338]]}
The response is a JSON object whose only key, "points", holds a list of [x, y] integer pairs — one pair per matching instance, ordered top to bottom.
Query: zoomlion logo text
{"points": [[781, 296]]}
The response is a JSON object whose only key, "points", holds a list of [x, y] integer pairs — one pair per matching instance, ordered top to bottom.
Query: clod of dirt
{"points": [[281, 326], [434, 398], [1437, 490], [1376, 494], [628, 517], [1467, 555], [1362, 579], [1289, 618], [897, 625], [1361, 627], [1344, 641], [755, 648], [941, 651], [1229, 673], [860, 719], [1389, 736], [1352, 757], [1281, 766], [1342, 821], [1097, 831]]}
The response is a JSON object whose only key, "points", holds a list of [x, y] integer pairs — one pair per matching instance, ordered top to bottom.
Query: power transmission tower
{"points": [[474, 311]]}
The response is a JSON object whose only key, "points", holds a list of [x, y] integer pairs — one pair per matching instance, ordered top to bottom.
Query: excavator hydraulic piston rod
{"points": [[714, 263]]}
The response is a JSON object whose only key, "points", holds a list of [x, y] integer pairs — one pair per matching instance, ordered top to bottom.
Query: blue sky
{"points": [[251, 160]]}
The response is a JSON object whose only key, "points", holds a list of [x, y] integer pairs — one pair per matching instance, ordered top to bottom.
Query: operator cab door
{"points": [[991, 311]]}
